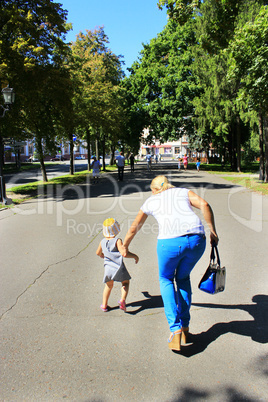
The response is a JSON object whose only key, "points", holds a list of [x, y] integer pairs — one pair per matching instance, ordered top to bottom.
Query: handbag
{"points": [[213, 280]]}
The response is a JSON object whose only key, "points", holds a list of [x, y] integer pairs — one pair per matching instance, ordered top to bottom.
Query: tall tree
{"points": [[31, 46], [249, 64], [97, 74], [164, 83]]}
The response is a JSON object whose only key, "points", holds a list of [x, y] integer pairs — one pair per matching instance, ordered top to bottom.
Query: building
{"points": [[169, 149], [28, 150]]}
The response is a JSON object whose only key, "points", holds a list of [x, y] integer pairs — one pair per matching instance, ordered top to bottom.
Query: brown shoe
{"points": [[185, 335], [174, 343]]}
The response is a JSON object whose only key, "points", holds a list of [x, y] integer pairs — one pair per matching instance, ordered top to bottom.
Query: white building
{"points": [[171, 149]]}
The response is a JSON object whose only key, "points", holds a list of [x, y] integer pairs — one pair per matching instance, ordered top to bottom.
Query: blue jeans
{"points": [[176, 259]]}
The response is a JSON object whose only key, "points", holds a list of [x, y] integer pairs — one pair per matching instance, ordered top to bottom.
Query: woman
{"points": [[185, 161], [96, 167], [181, 243]]}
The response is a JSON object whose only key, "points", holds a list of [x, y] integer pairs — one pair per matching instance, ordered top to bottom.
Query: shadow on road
{"points": [[133, 183], [148, 303], [256, 329]]}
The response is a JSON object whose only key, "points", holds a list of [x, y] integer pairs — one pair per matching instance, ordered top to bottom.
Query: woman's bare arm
{"points": [[207, 212], [134, 228], [122, 250]]}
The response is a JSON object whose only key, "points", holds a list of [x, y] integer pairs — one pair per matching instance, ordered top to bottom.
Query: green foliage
{"points": [[180, 10], [249, 61], [96, 74], [162, 81]]}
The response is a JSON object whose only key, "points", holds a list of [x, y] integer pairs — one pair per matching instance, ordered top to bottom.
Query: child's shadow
{"points": [[149, 303], [257, 329]]}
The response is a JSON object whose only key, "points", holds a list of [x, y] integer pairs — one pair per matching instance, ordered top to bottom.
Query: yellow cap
{"points": [[110, 227]]}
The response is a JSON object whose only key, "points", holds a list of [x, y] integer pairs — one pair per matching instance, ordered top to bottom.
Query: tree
{"points": [[180, 10], [32, 47], [249, 64], [97, 73], [163, 83]]}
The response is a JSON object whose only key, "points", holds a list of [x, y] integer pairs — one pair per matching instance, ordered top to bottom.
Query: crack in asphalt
{"points": [[44, 271]]}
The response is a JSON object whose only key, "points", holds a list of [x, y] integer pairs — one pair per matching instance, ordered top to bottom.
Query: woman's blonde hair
{"points": [[160, 183]]}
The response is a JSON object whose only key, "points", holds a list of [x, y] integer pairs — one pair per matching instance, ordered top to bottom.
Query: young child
{"points": [[198, 163], [179, 164], [111, 249]]}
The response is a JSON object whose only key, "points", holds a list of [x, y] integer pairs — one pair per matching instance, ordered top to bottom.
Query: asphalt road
{"points": [[57, 344]]}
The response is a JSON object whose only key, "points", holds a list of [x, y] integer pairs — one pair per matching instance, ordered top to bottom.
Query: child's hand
{"points": [[136, 259]]}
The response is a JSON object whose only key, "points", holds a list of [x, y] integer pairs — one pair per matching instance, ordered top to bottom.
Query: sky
{"points": [[127, 23]]}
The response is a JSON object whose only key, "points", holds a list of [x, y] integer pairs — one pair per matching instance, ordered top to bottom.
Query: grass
{"points": [[10, 168], [251, 183], [31, 190], [27, 191]]}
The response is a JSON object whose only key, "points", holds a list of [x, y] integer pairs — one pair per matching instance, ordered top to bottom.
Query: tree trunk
{"points": [[265, 121], [238, 143], [97, 148], [88, 149], [40, 154], [103, 154], [112, 155], [261, 175]]}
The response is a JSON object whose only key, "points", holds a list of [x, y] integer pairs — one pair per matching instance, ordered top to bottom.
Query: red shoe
{"points": [[122, 305]]}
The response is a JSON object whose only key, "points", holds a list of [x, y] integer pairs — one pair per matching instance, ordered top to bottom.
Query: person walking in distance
{"points": [[120, 161], [132, 161], [185, 161], [149, 162], [96, 167], [181, 243]]}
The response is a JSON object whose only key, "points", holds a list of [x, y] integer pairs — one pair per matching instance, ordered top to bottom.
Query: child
{"points": [[198, 163], [179, 164], [95, 166], [111, 249]]}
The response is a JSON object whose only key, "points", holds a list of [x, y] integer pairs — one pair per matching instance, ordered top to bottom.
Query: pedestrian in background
{"points": [[120, 161], [132, 161], [149, 162], [185, 162], [179, 163], [198, 163], [96, 167], [181, 243], [111, 249]]}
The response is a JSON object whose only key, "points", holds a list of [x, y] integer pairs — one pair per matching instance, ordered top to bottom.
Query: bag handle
{"points": [[212, 255]]}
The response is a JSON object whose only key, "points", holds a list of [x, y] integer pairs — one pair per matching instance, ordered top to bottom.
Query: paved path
{"points": [[57, 344]]}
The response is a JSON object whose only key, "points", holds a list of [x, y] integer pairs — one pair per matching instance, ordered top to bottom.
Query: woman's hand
{"points": [[214, 238]]}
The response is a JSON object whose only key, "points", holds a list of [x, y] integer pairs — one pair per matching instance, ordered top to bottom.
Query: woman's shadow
{"points": [[256, 329]]}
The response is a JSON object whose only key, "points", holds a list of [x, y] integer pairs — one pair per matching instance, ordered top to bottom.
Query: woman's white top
{"points": [[173, 212]]}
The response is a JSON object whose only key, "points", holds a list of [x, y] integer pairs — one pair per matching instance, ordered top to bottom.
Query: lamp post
{"points": [[9, 98]]}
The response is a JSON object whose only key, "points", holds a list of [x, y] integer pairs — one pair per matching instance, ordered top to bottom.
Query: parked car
{"points": [[80, 157], [57, 158], [32, 159]]}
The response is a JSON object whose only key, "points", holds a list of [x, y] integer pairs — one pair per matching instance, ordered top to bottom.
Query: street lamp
{"points": [[9, 98]]}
